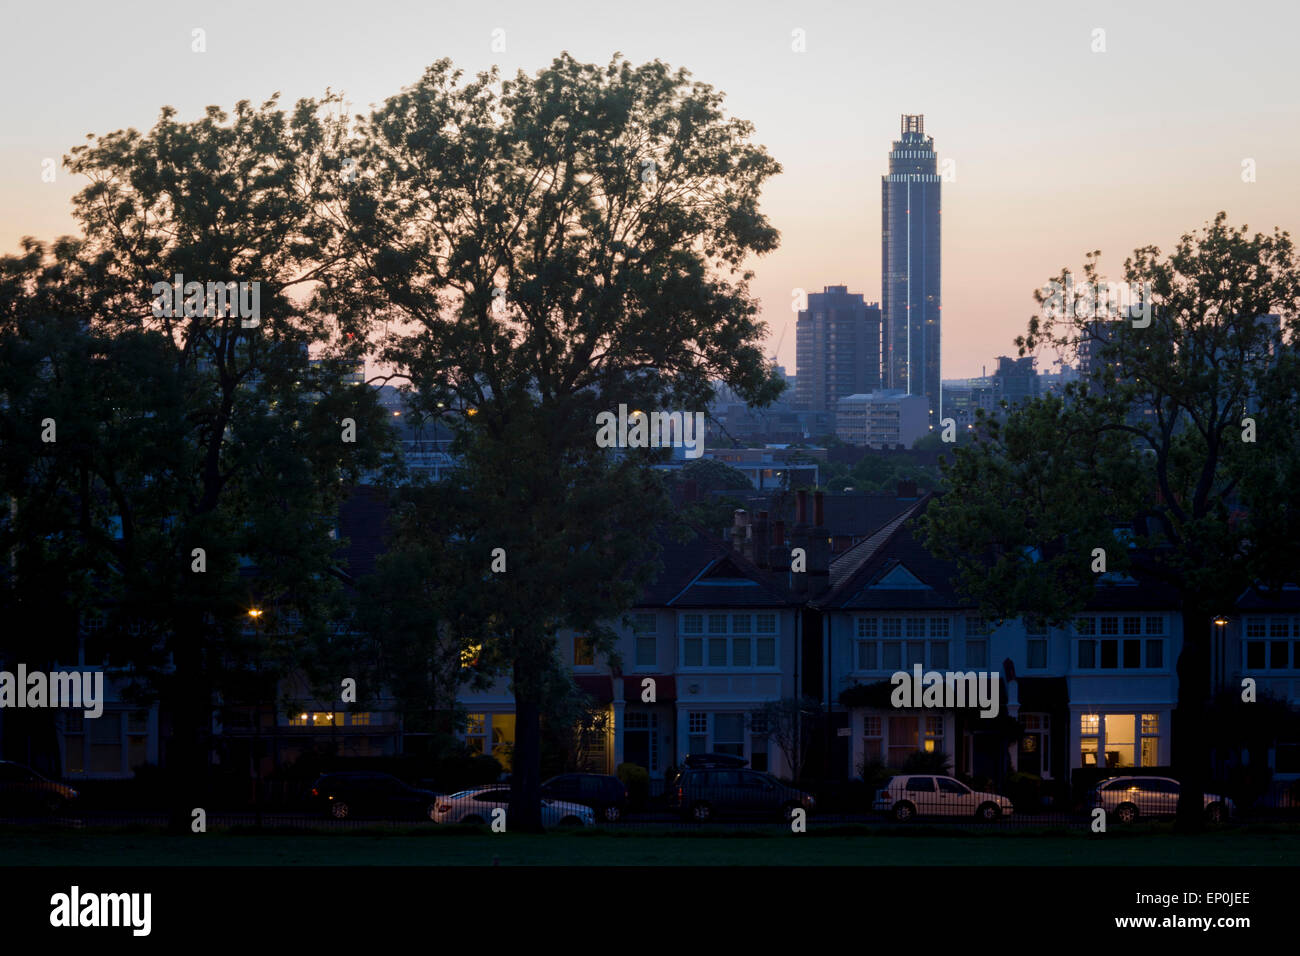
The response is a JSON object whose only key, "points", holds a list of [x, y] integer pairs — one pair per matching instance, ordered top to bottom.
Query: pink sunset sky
{"points": [[1058, 149]]}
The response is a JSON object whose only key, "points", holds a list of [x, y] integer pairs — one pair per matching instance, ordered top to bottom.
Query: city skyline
{"points": [[1083, 170]]}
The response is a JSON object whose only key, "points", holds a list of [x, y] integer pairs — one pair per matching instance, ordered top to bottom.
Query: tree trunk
{"points": [[191, 730], [1191, 746], [526, 778]]}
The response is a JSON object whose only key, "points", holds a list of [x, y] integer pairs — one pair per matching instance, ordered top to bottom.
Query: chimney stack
{"points": [[799, 538], [740, 540], [760, 541], [819, 551], [778, 555]]}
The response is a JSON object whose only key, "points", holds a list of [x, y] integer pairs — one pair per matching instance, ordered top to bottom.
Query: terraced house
{"points": [[1098, 693]]}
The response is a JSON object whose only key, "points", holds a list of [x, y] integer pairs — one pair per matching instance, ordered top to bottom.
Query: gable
{"points": [[898, 578]]}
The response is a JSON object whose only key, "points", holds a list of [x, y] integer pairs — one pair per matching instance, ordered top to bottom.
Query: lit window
{"points": [[584, 652]]}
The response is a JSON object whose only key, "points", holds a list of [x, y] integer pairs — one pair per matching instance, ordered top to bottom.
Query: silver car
{"points": [[930, 795], [1131, 797], [476, 806]]}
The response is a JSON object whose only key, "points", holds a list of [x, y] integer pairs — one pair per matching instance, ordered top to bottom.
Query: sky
{"points": [[1057, 147]]}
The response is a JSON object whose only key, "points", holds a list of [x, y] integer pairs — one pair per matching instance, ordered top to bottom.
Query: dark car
{"points": [[706, 762], [23, 790], [363, 793], [606, 795], [702, 795]]}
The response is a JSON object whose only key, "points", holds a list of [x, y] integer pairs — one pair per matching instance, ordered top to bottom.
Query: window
{"points": [[645, 623], [766, 623], [692, 624], [717, 624], [741, 624], [978, 626], [867, 627], [891, 627], [916, 627], [939, 627], [1255, 627], [647, 651], [740, 651], [584, 652], [692, 652], [717, 652], [767, 652], [1129, 652], [977, 653], [1036, 653], [1155, 653], [939, 654], [867, 655], [891, 655], [1255, 655], [360, 719], [697, 724], [476, 732], [903, 733], [729, 734], [933, 735], [503, 738], [872, 738], [1089, 740], [1150, 740], [1120, 741]]}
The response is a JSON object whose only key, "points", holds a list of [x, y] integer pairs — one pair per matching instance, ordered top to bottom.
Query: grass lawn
{"points": [[841, 846]]}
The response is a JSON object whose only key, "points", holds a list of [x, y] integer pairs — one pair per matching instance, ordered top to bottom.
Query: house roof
{"points": [[846, 513], [893, 569], [705, 572], [1285, 598]]}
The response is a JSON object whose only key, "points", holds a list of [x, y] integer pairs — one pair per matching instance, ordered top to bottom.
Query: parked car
{"points": [[704, 762], [23, 790], [353, 793], [605, 795], [702, 795], [909, 796], [1131, 797], [476, 806]]}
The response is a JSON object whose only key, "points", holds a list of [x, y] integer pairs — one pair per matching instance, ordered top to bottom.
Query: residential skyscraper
{"points": [[910, 265], [837, 348]]}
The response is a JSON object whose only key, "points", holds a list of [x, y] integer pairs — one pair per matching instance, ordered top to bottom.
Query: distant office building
{"points": [[910, 299], [837, 348], [1017, 380], [883, 419]]}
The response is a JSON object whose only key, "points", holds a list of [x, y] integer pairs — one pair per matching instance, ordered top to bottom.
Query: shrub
{"points": [[874, 774], [637, 780], [1025, 791]]}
